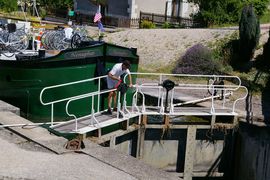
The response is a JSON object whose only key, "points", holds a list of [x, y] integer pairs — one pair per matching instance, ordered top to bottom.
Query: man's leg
{"points": [[115, 100], [109, 101]]}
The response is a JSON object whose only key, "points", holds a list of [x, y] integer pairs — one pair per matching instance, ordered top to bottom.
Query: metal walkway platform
{"points": [[170, 101], [86, 124]]}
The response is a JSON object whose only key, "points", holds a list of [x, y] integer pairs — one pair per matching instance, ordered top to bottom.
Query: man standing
{"points": [[114, 76]]}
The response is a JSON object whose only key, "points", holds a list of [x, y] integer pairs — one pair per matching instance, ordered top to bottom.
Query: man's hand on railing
{"points": [[118, 83]]}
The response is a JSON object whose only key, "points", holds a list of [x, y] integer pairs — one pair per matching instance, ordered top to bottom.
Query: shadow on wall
{"points": [[266, 102], [249, 108]]}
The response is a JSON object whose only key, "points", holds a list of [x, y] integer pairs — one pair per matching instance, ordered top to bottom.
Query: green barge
{"points": [[22, 80]]}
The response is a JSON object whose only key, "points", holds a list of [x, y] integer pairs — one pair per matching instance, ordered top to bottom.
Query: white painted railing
{"points": [[158, 78], [228, 89], [52, 103]]}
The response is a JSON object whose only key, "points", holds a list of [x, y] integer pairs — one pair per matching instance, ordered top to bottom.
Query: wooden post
{"points": [[144, 120], [166, 120], [213, 120], [112, 142], [140, 143], [189, 154]]}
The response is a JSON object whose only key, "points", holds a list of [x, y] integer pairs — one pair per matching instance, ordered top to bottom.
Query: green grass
{"points": [[265, 18], [157, 68]]}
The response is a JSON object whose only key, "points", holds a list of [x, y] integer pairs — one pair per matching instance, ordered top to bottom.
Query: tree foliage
{"points": [[56, 4], [8, 5], [12, 5], [217, 12], [249, 33]]}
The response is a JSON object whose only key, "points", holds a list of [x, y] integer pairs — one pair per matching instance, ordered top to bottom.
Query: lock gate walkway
{"points": [[221, 94]]}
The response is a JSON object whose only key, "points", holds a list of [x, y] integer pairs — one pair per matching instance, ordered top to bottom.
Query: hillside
{"points": [[159, 49]]}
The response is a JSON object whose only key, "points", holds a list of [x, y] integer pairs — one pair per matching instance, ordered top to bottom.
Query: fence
{"points": [[125, 22], [177, 22]]}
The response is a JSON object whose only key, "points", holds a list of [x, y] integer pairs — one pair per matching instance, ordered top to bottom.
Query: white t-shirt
{"points": [[116, 71]]}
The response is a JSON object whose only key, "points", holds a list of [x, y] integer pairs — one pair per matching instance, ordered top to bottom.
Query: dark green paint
{"points": [[22, 81]]}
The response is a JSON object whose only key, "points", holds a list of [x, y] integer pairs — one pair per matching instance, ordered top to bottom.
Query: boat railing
{"points": [[65, 99]]}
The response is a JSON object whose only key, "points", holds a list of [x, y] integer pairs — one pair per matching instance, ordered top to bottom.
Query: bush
{"points": [[42, 12], [147, 24], [167, 25], [249, 33], [226, 50], [197, 60]]}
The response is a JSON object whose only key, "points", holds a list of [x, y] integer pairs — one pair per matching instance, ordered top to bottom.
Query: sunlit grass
{"points": [[265, 18]]}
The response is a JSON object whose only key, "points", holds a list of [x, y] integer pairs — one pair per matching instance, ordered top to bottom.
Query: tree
{"points": [[56, 4], [8, 5], [260, 6], [217, 12], [249, 33]]}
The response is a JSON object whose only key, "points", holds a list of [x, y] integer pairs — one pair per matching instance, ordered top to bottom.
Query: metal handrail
{"points": [[228, 89], [93, 94], [71, 97], [212, 97]]}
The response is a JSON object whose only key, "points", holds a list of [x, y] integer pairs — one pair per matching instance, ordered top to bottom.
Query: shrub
{"points": [[42, 12], [147, 24], [166, 25], [249, 33], [227, 51], [197, 60]]}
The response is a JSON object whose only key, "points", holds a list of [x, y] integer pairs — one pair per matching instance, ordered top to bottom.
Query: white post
{"points": [[98, 95], [118, 105], [52, 115]]}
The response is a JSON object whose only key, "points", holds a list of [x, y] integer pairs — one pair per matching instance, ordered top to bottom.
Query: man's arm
{"points": [[113, 77]]}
